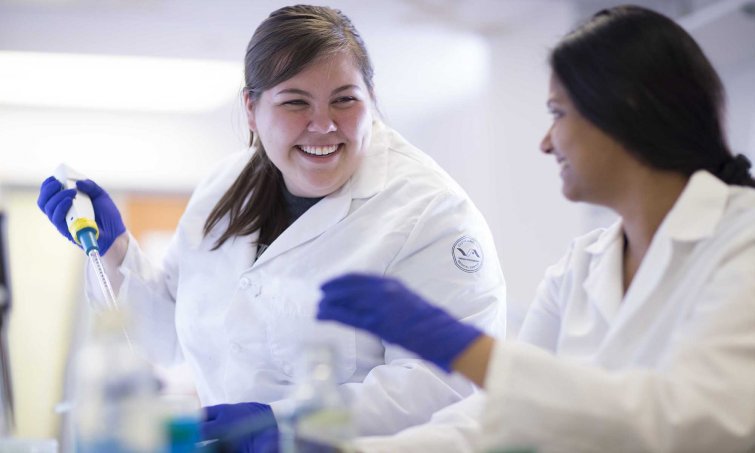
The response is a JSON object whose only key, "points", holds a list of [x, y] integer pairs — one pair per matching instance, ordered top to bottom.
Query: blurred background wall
{"points": [[463, 80]]}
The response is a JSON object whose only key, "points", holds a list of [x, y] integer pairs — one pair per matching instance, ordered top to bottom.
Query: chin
{"points": [[322, 190], [570, 194]]}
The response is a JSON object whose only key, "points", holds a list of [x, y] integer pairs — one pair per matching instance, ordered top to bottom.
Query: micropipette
{"points": [[83, 228]]}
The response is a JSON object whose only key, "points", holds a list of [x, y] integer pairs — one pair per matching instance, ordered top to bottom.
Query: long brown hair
{"points": [[284, 44]]}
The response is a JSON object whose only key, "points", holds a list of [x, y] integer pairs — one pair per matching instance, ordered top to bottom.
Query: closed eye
{"points": [[344, 100], [295, 102], [556, 113]]}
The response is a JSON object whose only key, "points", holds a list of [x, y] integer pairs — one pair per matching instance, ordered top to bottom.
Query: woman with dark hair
{"points": [[325, 189], [642, 338]]}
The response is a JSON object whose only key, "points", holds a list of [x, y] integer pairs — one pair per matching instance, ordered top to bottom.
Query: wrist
{"points": [[117, 250], [114, 258], [460, 337], [441, 339], [473, 361]]}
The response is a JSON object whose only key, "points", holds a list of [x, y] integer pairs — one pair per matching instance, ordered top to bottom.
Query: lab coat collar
{"points": [[371, 175], [368, 180], [699, 209], [694, 216], [315, 221], [612, 234], [603, 285]]}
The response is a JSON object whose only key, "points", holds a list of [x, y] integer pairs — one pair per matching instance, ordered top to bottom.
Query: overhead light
{"points": [[108, 82]]}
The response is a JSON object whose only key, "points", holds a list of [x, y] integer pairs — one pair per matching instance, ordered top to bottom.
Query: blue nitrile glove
{"points": [[55, 202], [386, 308], [247, 427]]}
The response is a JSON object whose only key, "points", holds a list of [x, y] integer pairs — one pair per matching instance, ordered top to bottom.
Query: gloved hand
{"points": [[55, 202], [389, 310], [246, 427]]}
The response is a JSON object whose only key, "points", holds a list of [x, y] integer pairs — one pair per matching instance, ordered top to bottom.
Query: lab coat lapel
{"points": [[323, 215], [693, 217], [239, 250], [650, 273], [603, 284], [646, 307]]}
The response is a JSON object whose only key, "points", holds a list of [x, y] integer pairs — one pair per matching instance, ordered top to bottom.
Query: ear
{"points": [[249, 107]]}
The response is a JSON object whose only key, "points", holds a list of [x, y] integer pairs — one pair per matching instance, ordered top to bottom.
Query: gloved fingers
{"points": [[90, 188], [47, 189], [52, 203], [58, 217], [353, 281], [366, 291], [371, 297], [347, 299], [361, 300], [344, 315], [213, 412], [212, 430], [238, 430], [267, 441]]}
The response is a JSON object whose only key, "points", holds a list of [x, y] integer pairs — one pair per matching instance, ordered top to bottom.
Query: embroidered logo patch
{"points": [[467, 254]]}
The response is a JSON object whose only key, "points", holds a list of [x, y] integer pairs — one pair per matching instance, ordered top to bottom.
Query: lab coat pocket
{"points": [[293, 325]]}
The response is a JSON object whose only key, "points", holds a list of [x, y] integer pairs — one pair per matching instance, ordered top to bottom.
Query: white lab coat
{"points": [[240, 324], [668, 367]]}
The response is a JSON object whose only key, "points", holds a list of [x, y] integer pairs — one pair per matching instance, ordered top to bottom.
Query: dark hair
{"points": [[283, 45], [642, 79]]}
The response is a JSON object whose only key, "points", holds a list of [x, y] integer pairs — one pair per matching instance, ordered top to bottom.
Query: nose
{"points": [[321, 122], [545, 144]]}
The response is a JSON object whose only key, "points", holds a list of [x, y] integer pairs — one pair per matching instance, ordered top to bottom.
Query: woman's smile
{"points": [[320, 150]]}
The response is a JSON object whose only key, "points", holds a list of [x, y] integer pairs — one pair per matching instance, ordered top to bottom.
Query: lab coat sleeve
{"points": [[149, 290], [148, 294], [542, 323], [406, 391], [702, 400], [453, 429]]}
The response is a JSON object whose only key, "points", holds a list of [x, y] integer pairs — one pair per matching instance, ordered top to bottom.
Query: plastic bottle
{"points": [[116, 407], [320, 420], [181, 424], [183, 435]]}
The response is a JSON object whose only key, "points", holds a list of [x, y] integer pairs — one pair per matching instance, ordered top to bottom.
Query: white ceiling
{"points": [[220, 29]]}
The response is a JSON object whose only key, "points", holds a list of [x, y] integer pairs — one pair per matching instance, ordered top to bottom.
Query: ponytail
{"points": [[736, 171], [253, 202]]}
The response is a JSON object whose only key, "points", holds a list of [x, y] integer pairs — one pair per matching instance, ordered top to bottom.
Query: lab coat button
{"points": [[244, 283], [255, 289]]}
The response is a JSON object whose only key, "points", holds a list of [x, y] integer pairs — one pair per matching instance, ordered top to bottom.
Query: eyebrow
{"points": [[309, 95]]}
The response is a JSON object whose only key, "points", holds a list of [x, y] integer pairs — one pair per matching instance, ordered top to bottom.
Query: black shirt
{"points": [[295, 207]]}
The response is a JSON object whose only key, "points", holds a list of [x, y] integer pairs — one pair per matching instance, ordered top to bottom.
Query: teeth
{"points": [[319, 150]]}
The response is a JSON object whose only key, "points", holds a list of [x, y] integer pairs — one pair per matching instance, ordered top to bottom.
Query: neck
{"points": [[649, 197], [646, 199]]}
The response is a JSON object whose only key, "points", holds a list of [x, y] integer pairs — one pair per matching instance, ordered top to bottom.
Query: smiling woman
{"points": [[316, 125], [589, 158], [326, 188], [641, 337]]}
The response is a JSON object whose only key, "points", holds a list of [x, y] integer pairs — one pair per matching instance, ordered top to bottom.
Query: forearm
{"points": [[473, 361], [401, 394]]}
